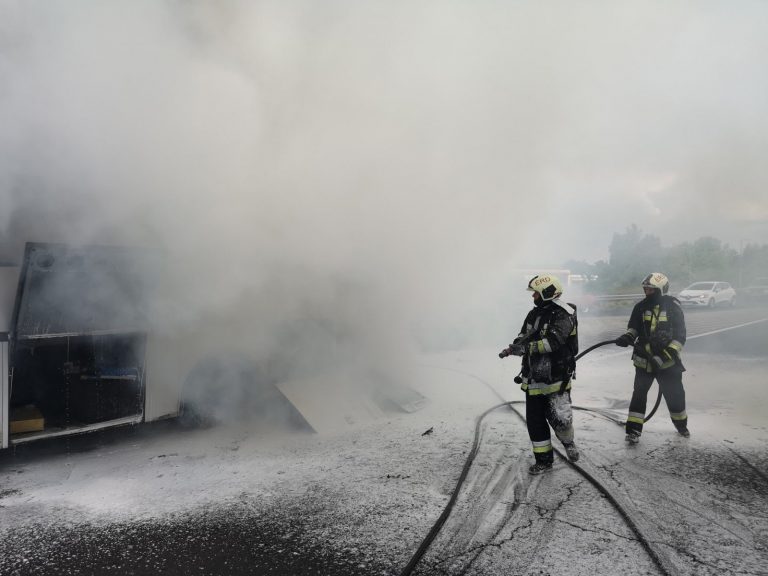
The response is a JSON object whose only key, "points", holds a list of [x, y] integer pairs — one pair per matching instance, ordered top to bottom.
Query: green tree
{"points": [[634, 254]]}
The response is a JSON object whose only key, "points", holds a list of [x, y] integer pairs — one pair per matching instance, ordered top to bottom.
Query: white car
{"points": [[708, 294]]}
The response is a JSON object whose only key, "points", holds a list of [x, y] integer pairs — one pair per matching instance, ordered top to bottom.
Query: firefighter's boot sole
{"points": [[632, 438], [539, 468]]}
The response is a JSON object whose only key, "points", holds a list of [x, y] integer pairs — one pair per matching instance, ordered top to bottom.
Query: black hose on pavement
{"points": [[604, 343], [449, 506], [432, 534], [425, 544]]}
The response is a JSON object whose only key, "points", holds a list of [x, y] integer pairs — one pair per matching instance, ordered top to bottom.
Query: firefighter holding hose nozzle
{"points": [[656, 329], [548, 344]]}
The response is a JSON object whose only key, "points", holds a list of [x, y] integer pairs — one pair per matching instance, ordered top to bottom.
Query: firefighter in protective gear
{"points": [[656, 329], [548, 344]]}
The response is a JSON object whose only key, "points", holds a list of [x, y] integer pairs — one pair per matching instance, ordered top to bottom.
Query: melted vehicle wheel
{"points": [[219, 389], [233, 389], [199, 401]]}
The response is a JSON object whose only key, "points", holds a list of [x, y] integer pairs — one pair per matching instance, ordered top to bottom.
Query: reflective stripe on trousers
{"points": [[671, 384], [543, 411]]}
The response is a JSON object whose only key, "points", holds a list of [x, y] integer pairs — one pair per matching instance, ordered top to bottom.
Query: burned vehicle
{"points": [[82, 349]]}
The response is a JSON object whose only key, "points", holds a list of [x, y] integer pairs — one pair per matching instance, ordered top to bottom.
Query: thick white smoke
{"points": [[372, 167], [322, 182]]}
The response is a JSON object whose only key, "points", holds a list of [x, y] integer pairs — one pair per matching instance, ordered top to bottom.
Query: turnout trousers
{"points": [[671, 384], [543, 411]]}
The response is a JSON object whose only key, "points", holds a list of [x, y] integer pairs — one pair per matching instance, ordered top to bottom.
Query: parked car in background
{"points": [[755, 291], [708, 294]]}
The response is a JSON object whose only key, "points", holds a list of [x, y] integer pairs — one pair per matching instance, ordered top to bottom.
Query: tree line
{"points": [[633, 254]]}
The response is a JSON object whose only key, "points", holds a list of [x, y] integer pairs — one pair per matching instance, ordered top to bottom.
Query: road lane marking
{"points": [[726, 329]]}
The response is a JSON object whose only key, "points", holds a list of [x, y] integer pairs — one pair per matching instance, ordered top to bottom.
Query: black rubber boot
{"points": [[540, 468]]}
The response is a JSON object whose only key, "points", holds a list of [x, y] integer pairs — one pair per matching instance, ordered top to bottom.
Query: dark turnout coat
{"points": [[658, 324], [549, 334]]}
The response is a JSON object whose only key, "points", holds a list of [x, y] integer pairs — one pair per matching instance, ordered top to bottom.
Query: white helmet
{"points": [[658, 281], [547, 285]]}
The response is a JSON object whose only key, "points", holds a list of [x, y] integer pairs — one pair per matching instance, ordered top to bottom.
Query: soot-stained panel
{"points": [[80, 290]]}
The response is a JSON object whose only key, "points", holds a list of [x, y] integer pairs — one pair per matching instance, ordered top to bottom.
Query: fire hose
{"points": [[606, 342], [427, 541]]}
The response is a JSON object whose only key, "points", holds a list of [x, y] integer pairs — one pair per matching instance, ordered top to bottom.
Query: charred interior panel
{"points": [[78, 339], [74, 381]]}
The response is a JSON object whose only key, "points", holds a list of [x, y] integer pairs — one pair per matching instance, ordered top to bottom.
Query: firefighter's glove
{"points": [[625, 340], [659, 342], [517, 349], [512, 350], [657, 361]]}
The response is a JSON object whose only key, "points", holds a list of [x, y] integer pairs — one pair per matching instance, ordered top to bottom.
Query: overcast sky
{"points": [[413, 146]]}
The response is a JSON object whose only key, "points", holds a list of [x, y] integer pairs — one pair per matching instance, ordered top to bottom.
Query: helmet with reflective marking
{"points": [[657, 281], [547, 285]]}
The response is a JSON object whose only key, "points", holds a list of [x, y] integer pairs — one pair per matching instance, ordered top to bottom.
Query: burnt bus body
{"points": [[78, 353]]}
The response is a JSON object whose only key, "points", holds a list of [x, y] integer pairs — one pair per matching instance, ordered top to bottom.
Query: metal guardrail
{"points": [[618, 297], [605, 299], [593, 302]]}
